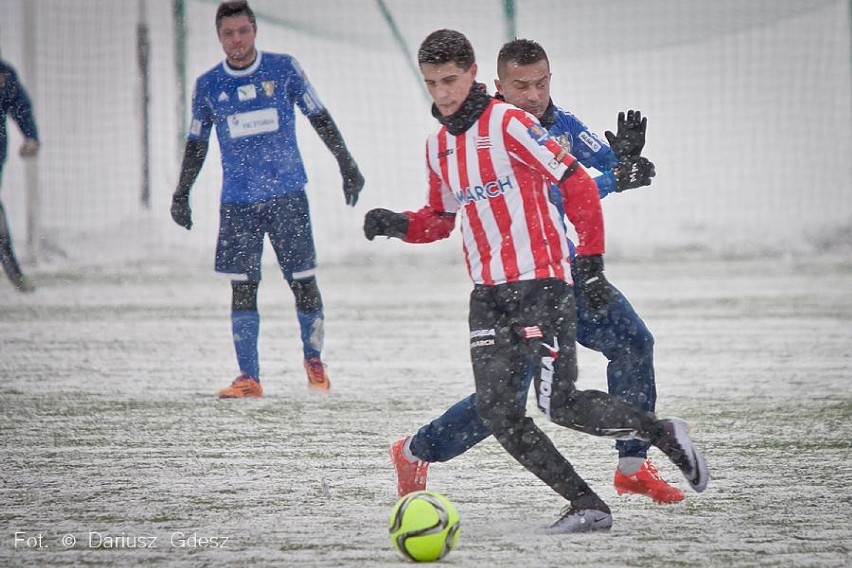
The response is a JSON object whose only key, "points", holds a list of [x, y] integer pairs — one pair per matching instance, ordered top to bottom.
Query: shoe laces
{"points": [[652, 470]]}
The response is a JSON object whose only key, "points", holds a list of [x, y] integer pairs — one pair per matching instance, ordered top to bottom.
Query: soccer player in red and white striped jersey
{"points": [[491, 164]]}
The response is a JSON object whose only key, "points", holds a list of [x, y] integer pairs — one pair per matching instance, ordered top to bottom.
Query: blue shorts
{"points": [[287, 221]]}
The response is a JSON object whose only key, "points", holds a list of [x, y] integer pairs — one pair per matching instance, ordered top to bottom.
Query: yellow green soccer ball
{"points": [[424, 526]]}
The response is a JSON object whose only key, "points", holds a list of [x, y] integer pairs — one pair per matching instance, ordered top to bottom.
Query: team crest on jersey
{"points": [[268, 88], [246, 92], [538, 133], [564, 141], [483, 143]]}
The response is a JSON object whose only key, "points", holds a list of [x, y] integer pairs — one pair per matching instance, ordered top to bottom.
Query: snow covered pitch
{"points": [[117, 452]]}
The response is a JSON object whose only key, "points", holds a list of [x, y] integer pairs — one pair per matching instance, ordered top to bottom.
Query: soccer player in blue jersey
{"points": [[250, 99], [15, 102], [618, 332]]}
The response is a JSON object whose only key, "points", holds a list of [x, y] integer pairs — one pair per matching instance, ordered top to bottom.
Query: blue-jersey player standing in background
{"points": [[250, 98], [15, 102], [619, 333]]}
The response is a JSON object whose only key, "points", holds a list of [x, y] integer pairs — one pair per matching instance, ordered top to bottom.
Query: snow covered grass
{"points": [[111, 430]]}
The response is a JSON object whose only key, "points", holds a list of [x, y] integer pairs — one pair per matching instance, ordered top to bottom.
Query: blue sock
{"points": [[312, 325], [245, 326]]}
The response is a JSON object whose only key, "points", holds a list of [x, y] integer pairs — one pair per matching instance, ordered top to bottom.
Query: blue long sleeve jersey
{"points": [[15, 102], [253, 111], [584, 145]]}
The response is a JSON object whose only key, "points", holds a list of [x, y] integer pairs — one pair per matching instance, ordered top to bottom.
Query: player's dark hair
{"points": [[235, 8], [446, 46], [520, 52]]}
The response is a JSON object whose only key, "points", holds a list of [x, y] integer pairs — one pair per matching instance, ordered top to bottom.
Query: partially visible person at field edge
{"points": [[15, 102]]}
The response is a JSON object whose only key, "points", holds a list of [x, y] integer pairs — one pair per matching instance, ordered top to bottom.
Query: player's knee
{"points": [[307, 294], [244, 295], [642, 339]]}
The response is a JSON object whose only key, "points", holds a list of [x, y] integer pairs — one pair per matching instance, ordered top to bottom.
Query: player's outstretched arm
{"points": [[328, 132], [193, 158], [633, 171], [385, 223], [426, 225]]}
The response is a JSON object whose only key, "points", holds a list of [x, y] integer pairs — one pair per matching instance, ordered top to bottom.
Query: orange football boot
{"points": [[317, 378], [242, 387], [410, 475], [647, 481]]}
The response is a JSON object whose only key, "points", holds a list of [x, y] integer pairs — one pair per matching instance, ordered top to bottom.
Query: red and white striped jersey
{"points": [[496, 176]]}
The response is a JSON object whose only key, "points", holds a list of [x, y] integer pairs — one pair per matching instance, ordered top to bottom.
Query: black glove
{"points": [[631, 134], [632, 172], [353, 181], [181, 212], [383, 222], [593, 283]]}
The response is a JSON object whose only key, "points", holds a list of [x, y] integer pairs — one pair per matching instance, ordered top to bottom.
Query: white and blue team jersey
{"points": [[253, 111], [584, 145]]}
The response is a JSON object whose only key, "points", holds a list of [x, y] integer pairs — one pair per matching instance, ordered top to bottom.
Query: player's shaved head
{"points": [[520, 52]]}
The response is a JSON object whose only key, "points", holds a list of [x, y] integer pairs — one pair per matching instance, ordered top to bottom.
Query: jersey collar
{"points": [[243, 72], [548, 119]]}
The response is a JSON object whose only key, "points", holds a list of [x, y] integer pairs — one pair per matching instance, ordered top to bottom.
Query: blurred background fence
{"points": [[749, 106]]}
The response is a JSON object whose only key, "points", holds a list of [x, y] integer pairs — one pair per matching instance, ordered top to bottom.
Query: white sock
{"points": [[406, 451], [629, 465]]}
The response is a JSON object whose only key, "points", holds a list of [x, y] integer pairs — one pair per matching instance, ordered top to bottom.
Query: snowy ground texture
{"points": [[110, 426]]}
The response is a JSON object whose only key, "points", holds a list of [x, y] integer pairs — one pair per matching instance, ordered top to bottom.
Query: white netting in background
{"points": [[749, 107]]}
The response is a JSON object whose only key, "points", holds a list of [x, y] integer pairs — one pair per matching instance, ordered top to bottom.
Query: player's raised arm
{"points": [[630, 138], [632, 170]]}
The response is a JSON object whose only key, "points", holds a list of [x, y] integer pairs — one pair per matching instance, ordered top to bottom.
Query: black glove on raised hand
{"points": [[631, 134], [633, 171], [353, 181], [181, 212], [384, 222], [594, 285]]}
